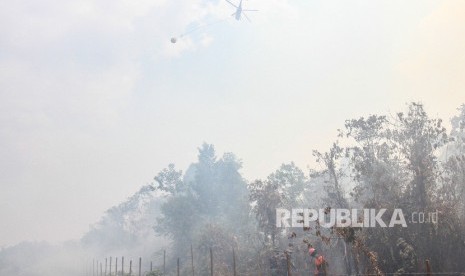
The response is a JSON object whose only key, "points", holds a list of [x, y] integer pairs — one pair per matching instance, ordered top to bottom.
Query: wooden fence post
{"points": [[192, 260], [164, 261], [211, 262], [234, 263], [122, 265], [110, 266], [140, 266], [178, 266], [130, 267], [428, 268]]}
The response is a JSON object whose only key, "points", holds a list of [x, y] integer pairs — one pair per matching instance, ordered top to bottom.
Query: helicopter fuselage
{"points": [[239, 12]]}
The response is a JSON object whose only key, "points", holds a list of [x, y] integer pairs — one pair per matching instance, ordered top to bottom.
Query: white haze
{"points": [[95, 100]]}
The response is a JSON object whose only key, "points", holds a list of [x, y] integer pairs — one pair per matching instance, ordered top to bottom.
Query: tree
{"points": [[394, 164], [169, 180], [282, 189], [213, 195], [124, 225]]}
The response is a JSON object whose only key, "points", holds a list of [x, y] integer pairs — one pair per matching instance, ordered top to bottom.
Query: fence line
{"points": [[290, 269]]}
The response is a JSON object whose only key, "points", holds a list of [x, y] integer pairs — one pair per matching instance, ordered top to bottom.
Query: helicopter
{"points": [[239, 11], [237, 15]]}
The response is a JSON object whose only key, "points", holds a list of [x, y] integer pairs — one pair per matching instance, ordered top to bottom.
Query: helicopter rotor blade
{"points": [[231, 3], [249, 10], [246, 17]]}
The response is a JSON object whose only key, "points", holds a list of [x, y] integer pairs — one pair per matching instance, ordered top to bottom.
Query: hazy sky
{"points": [[95, 100]]}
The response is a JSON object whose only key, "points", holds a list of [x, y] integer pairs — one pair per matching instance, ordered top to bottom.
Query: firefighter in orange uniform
{"points": [[320, 262]]}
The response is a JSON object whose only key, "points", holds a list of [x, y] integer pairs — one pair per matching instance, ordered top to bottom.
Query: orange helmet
{"points": [[312, 251]]}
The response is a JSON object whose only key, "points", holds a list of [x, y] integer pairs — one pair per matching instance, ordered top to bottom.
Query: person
{"points": [[320, 262], [278, 264]]}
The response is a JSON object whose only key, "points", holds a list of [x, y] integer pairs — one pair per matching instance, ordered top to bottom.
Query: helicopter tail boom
{"points": [[231, 4]]}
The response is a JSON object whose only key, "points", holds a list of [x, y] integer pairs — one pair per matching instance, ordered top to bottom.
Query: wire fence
{"points": [[121, 266]]}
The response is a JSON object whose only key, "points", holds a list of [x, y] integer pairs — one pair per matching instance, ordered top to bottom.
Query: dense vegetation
{"points": [[408, 161]]}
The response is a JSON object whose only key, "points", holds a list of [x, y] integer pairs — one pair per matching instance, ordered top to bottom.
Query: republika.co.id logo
{"points": [[350, 218]]}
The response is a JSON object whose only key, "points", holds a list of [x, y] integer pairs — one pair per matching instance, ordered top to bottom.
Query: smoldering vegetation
{"points": [[407, 161], [124, 230]]}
